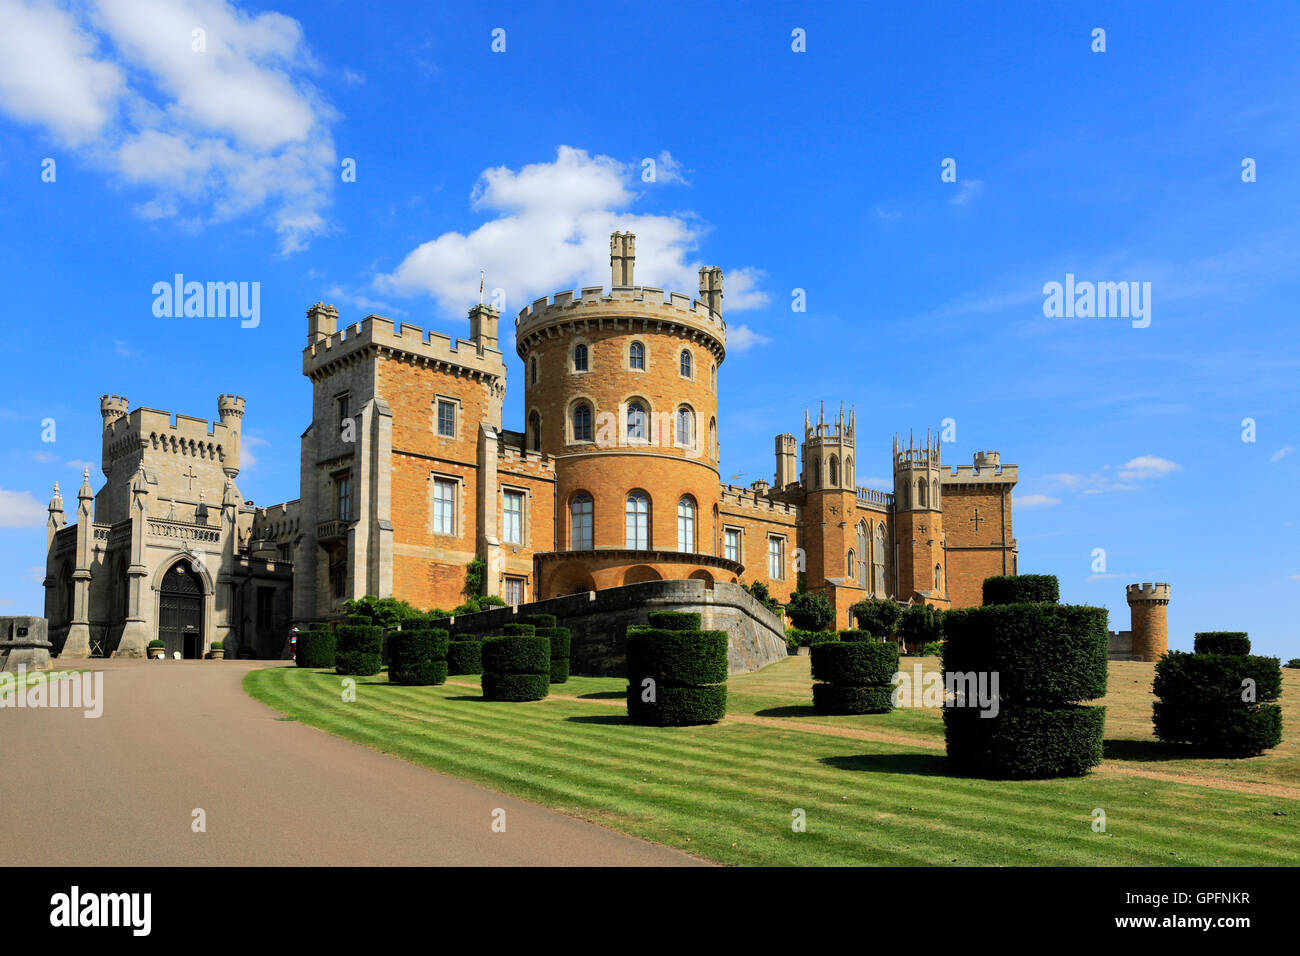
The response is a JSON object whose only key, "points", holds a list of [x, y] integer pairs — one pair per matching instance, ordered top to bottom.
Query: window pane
{"points": [[636, 356], [580, 358], [686, 363], [447, 419], [636, 422], [582, 423], [444, 507], [580, 515], [512, 518], [638, 522], [686, 525], [733, 545], [776, 558]]}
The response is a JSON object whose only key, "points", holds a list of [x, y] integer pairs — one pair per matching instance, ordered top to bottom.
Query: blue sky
{"points": [[816, 170]]}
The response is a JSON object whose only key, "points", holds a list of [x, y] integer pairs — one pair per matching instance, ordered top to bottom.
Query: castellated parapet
{"points": [[638, 307], [403, 341], [986, 469], [748, 499], [1147, 592], [1147, 607]]}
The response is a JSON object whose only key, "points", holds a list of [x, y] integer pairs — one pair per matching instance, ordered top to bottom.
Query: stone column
{"points": [[135, 634], [78, 642]]}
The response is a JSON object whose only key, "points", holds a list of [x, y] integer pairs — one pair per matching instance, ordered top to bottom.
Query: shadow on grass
{"points": [[603, 695], [468, 697], [793, 710], [615, 719], [1144, 751], [921, 765]]}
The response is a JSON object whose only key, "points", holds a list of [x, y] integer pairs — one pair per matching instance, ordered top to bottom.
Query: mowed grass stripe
{"points": [[538, 742]]}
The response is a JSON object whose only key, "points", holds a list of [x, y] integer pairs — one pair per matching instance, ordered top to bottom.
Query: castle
{"points": [[408, 474]]}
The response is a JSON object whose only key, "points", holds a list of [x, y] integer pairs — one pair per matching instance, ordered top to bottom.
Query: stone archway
{"points": [[640, 573], [702, 575], [180, 606]]}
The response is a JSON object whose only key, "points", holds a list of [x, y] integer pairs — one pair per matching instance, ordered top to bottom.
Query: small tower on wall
{"points": [[786, 450], [830, 495], [918, 521], [1147, 608]]}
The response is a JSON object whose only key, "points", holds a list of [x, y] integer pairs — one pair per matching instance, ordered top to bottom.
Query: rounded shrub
{"points": [[1021, 589], [541, 620], [675, 620], [518, 630], [857, 635], [822, 637], [561, 639], [1221, 642], [315, 648], [359, 650], [418, 657], [464, 657], [516, 667], [676, 676], [854, 676], [1200, 699], [1025, 741]]}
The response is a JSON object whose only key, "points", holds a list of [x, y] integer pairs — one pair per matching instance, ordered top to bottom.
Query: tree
{"points": [[810, 612], [878, 615], [921, 624]]}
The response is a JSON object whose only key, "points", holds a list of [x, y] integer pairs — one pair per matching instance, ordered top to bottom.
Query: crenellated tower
{"points": [[230, 410], [830, 495], [918, 521], [1148, 604]]}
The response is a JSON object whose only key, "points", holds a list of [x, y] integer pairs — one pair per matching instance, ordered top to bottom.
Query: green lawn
{"points": [[727, 792]]}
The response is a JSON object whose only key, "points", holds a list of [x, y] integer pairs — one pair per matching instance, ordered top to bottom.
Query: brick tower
{"points": [[830, 497], [918, 522], [1147, 604]]}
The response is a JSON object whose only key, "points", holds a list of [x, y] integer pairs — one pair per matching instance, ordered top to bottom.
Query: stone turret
{"points": [[622, 259], [711, 288], [322, 322], [483, 327], [112, 408], [230, 408], [786, 448], [828, 453], [57, 518], [1147, 607]]}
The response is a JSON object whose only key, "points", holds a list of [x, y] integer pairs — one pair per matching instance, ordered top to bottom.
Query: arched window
{"points": [[636, 356], [580, 358], [686, 363], [532, 370], [713, 377], [582, 422], [685, 426], [637, 427], [535, 431], [713, 438], [833, 472], [817, 474], [849, 480], [920, 493], [581, 509], [638, 521], [686, 524], [863, 542], [850, 565], [938, 578], [881, 590]]}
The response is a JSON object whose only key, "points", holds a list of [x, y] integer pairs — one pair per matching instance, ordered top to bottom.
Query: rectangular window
{"points": [[446, 419], [345, 423], [344, 487], [444, 506], [512, 518], [733, 545], [776, 558], [339, 573], [514, 591], [265, 605]]}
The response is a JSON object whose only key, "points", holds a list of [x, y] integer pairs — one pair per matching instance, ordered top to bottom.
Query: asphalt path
{"points": [[179, 736]]}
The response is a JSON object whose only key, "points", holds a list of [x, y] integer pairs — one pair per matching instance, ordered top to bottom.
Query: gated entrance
{"points": [[180, 621]]}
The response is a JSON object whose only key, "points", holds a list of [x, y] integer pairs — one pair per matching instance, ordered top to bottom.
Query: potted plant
{"points": [[156, 650], [218, 650]]}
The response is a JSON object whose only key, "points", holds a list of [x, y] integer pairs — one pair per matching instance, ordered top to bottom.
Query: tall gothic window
{"points": [[636, 356], [580, 358], [686, 363], [532, 370], [582, 422], [636, 422], [685, 426], [535, 431], [833, 472], [920, 493], [581, 509], [638, 521], [686, 524], [863, 541], [880, 560], [851, 567], [938, 578]]}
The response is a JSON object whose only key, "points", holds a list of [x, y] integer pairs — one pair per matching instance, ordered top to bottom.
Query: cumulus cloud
{"points": [[214, 125], [549, 230], [741, 338], [1147, 466], [1036, 501], [18, 509]]}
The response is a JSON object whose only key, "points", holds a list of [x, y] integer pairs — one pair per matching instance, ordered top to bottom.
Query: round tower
{"points": [[620, 388], [113, 409], [230, 409], [1147, 604]]}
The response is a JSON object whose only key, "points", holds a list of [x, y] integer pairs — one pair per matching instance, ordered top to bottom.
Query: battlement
{"points": [[635, 302], [375, 332], [230, 406], [113, 407], [512, 457], [987, 468], [746, 498], [276, 522], [1158, 593]]}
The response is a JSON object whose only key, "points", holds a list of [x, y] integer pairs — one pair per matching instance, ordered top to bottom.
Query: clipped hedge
{"points": [[1021, 589], [675, 620], [540, 621], [518, 630], [857, 635], [561, 639], [1221, 642], [316, 648], [359, 649], [418, 657], [464, 657], [1048, 658], [516, 667], [685, 669], [855, 676], [1200, 699], [1025, 741]]}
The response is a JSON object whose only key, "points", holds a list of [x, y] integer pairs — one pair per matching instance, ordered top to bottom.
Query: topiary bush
{"points": [[1021, 589], [810, 612], [877, 615], [541, 620], [675, 620], [921, 624], [519, 630], [853, 634], [561, 639], [315, 648], [359, 649], [418, 657], [464, 657], [1047, 658], [516, 667], [676, 676], [855, 676], [1218, 699]]}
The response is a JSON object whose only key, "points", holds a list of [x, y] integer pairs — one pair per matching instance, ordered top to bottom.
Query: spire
{"points": [[84, 493], [56, 500]]}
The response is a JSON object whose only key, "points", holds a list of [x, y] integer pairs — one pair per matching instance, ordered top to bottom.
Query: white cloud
{"points": [[217, 133], [668, 170], [967, 190], [551, 232], [337, 293], [741, 338], [1282, 453], [45, 456], [247, 458], [79, 465], [1147, 466], [1035, 501], [18, 509], [36, 573], [1295, 577]]}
